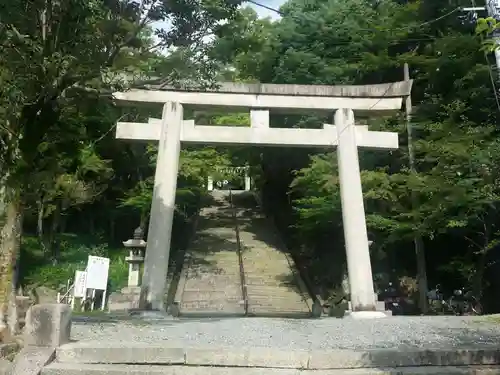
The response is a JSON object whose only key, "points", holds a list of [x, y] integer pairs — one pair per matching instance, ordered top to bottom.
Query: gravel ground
{"points": [[431, 332]]}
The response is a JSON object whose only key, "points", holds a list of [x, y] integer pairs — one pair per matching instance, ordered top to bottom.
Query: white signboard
{"points": [[97, 273], [80, 281]]}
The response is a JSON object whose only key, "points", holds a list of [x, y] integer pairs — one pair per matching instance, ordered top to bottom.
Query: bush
{"points": [[38, 270]]}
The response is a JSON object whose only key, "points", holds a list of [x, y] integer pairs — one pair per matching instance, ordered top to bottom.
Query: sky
{"points": [[262, 12]]}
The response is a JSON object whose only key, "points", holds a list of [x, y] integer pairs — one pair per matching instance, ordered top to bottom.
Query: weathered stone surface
{"points": [[392, 89], [126, 300], [48, 325], [143, 353], [134, 354], [246, 357], [336, 359], [31, 360], [5, 366], [77, 369]]}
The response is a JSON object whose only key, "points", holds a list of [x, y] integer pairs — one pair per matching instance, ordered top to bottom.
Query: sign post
{"points": [[97, 277], [79, 290]]}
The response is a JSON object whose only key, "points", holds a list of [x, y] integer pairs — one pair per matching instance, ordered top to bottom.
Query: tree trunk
{"points": [[112, 228], [40, 229], [10, 237], [53, 239], [421, 274], [477, 281]]}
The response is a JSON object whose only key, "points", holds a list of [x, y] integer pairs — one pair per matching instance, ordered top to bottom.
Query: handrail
{"points": [[244, 290], [65, 295]]}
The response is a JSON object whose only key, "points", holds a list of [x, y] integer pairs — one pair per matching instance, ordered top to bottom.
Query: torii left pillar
{"points": [[162, 209]]}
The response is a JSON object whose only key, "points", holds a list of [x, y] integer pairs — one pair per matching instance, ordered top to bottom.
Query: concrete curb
{"points": [[211, 314], [142, 353], [31, 360], [71, 369]]}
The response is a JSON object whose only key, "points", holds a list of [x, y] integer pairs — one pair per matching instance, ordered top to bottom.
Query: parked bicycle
{"points": [[393, 299], [462, 302], [465, 302]]}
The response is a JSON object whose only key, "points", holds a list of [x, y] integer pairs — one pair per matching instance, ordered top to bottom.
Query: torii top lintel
{"points": [[379, 97]]}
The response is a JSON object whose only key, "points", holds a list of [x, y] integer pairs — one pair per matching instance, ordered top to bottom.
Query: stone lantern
{"points": [[135, 259]]}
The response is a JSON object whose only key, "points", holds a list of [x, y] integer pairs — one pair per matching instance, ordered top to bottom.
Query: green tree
{"points": [[50, 52]]}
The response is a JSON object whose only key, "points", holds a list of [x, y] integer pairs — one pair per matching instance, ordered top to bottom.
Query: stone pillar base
{"points": [[128, 298], [367, 314], [150, 315], [48, 325]]}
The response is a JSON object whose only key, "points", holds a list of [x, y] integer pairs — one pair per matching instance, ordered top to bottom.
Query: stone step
{"points": [[260, 257], [231, 260], [215, 263], [266, 266], [217, 271], [221, 272], [267, 272], [212, 278], [194, 285], [278, 285], [271, 288], [200, 289], [223, 289], [274, 293], [209, 296], [291, 300], [276, 302], [276, 305], [254, 306], [211, 307], [279, 314], [143, 353], [78, 369]]}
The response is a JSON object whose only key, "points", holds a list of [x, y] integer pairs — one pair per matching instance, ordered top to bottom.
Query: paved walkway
{"points": [[398, 332]]}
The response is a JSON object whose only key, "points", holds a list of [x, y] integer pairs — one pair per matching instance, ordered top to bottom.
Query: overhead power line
{"points": [[277, 11], [409, 28]]}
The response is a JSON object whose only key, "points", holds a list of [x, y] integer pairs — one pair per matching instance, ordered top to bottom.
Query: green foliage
{"points": [[484, 29], [57, 143], [452, 197], [75, 251]]}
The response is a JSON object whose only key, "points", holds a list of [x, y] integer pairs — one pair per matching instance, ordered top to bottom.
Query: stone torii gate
{"points": [[172, 130], [239, 170]]}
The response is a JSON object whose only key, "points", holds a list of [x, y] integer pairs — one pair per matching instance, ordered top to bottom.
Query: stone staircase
{"points": [[210, 281], [274, 287], [102, 358]]}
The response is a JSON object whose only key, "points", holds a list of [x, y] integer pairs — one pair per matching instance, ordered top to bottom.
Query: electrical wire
{"points": [[256, 3], [409, 28], [393, 42]]}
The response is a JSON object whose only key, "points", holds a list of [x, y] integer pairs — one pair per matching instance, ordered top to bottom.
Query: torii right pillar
{"points": [[363, 301]]}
